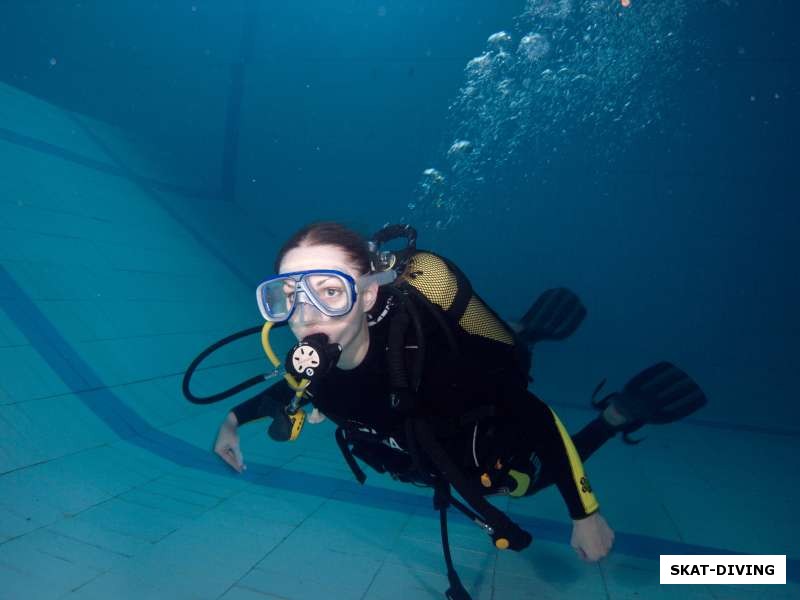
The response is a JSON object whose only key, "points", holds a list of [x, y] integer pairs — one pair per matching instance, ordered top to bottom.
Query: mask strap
{"points": [[380, 277]]}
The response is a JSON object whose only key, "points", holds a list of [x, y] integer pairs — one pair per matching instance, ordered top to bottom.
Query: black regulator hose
{"points": [[212, 348]]}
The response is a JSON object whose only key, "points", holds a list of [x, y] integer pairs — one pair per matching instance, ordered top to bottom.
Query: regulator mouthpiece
{"points": [[312, 357]]}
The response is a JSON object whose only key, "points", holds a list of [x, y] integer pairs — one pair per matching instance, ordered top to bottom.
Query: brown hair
{"points": [[330, 233]]}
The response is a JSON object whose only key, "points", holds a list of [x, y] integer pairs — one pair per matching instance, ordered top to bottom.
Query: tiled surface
{"points": [[163, 532]]}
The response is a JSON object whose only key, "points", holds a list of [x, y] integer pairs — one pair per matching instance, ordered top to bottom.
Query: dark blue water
{"points": [[677, 222], [680, 233]]}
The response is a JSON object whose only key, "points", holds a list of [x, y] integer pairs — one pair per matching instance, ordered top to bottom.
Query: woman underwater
{"points": [[458, 410]]}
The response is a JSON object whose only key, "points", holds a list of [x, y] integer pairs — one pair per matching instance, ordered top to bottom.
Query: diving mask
{"points": [[331, 292]]}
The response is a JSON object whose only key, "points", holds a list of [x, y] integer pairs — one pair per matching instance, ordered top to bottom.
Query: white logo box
{"points": [[723, 569]]}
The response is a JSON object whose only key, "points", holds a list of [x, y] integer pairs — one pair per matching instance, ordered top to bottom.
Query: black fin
{"points": [[555, 315], [661, 393]]}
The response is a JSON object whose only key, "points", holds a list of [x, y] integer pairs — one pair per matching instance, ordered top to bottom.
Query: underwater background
{"points": [[155, 155]]}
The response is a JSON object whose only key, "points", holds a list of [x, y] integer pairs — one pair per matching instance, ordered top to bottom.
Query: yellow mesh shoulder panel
{"points": [[431, 276], [479, 321], [588, 499]]}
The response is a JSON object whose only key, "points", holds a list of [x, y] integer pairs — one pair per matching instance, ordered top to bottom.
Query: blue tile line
{"points": [[90, 163], [128, 425]]}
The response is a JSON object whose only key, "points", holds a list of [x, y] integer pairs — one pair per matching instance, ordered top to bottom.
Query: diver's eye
{"points": [[332, 292], [288, 293]]}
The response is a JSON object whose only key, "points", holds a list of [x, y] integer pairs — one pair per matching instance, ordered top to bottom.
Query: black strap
{"points": [[436, 313], [396, 354], [404, 381], [419, 431], [341, 440], [442, 498], [441, 501]]}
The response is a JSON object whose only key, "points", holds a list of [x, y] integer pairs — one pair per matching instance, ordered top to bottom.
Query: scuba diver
{"points": [[424, 381]]}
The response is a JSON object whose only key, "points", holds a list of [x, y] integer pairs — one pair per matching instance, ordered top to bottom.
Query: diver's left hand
{"points": [[315, 416], [592, 538]]}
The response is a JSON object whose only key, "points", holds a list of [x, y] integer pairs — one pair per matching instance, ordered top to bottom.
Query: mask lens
{"points": [[330, 290], [330, 293], [278, 297]]}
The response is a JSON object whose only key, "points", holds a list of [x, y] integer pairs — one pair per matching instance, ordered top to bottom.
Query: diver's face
{"points": [[306, 319]]}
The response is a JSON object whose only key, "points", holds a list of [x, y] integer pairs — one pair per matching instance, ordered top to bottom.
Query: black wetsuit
{"points": [[485, 373]]}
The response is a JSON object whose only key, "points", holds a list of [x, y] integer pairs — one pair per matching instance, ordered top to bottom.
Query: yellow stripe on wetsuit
{"points": [[588, 499]]}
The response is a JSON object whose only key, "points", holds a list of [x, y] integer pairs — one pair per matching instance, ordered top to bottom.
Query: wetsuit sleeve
{"points": [[265, 404], [545, 435]]}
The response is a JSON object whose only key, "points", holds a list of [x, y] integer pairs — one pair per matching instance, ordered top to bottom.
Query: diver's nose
{"points": [[305, 312]]}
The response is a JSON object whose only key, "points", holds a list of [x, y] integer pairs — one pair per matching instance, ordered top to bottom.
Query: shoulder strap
{"points": [[405, 368]]}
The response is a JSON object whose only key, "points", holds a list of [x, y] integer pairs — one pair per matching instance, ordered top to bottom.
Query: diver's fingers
{"points": [[315, 416], [226, 454], [237, 455], [595, 552], [581, 553], [591, 554]]}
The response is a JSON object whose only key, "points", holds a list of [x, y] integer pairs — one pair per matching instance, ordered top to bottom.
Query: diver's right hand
{"points": [[227, 444]]}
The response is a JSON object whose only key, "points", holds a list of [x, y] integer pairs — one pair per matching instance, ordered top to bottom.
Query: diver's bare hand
{"points": [[227, 444], [592, 538]]}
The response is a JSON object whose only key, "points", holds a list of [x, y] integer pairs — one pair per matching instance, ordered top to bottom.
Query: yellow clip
{"points": [[297, 419], [486, 480], [523, 483]]}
